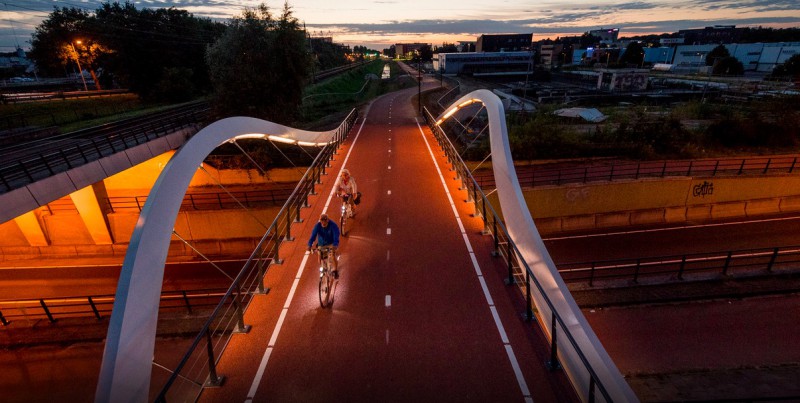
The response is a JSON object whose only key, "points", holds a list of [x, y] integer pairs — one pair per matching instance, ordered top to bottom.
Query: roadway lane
{"points": [[700, 238], [72, 281], [411, 321]]}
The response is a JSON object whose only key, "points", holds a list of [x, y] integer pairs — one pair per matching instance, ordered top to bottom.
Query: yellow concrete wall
{"points": [[144, 175], [655, 201]]}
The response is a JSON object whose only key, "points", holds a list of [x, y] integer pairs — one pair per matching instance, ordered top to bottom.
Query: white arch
{"points": [[522, 230], [127, 358]]}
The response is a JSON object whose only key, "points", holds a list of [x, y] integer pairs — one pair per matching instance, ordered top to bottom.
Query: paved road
{"points": [[411, 320]]}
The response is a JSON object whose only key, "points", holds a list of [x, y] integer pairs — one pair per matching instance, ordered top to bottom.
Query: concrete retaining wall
{"points": [[659, 201]]}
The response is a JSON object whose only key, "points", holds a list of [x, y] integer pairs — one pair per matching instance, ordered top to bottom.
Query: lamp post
{"points": [[77, 60], [419, 82]]}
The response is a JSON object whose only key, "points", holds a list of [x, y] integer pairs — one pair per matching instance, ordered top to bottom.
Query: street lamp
{"points": [[77, 60], [419, 81]]}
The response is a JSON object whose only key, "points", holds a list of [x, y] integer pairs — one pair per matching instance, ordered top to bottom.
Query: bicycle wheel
{"points": [[342, 222], [325, 287]]}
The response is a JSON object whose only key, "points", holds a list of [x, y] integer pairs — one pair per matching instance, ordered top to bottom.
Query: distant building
{"points": [[717, 34], [607, 36], [504, 43], [466, 46], [406, 50], [550, 55], [761, 57], [483, 64]]}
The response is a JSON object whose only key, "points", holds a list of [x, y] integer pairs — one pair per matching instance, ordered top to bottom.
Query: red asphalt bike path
{"points": [[413, 318]]}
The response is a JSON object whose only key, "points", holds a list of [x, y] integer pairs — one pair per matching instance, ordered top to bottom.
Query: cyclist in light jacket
{"points": [[346, 186], [326, 233]]}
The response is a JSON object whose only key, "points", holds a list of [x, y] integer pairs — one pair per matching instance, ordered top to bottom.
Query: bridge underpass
{"points": [[313, 294]]}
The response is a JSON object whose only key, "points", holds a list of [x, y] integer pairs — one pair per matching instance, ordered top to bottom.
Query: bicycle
{"points": [[347, 211], [326, 276]]}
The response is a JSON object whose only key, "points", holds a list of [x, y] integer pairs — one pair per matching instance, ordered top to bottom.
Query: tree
{"points": [[50, 42], [718, 53], [634, 54], [259, 66], [728, 66], [790, 68]]}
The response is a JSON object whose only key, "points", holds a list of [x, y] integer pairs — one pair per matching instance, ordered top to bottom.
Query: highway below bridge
{"points": [[409, 306]]}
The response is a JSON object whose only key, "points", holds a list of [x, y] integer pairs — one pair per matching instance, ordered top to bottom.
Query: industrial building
{"points": [[504, 43], [483, 64]]}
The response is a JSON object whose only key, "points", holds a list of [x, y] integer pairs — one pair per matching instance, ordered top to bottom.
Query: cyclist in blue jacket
{"points": [[326, 233]]}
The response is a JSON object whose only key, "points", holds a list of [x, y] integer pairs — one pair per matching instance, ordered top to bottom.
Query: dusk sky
{"points": [[380, 23]]}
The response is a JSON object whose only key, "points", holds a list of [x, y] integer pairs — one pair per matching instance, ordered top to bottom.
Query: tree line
{"points": [[255, 64]]}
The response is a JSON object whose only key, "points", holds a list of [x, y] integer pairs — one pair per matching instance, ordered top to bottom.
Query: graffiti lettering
{"points": [[703, 189], [574, 194]]}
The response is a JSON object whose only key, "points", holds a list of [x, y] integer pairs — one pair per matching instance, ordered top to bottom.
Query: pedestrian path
{"points": [[421, 312]]}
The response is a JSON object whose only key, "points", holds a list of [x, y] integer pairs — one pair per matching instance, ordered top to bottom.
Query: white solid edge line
{"points": [[265, 358], [523, 385]]}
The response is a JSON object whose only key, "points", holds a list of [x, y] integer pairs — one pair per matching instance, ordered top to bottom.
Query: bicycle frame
{"points": [[326, 254]]}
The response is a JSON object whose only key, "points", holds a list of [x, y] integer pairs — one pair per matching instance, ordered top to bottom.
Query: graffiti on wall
{"points": [[703, 189]]}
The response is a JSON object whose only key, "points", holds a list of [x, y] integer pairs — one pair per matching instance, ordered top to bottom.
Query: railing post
{"points": [[638, 167], [741, 168], [766, 168], [791, 168], [664, 169], [715, 169], [689, 173], [611, 175], [485, 218], [288, 236], [495, 238], [275, 247], [772, 259], [727, 263], [683, 265], [261, 272], [636, 273], [591, 275], [510, 279], [528, 297], [186, 300], [94, 309], [47, 311], [239, 312], [3, 320], [553, 363], [214, 380]]}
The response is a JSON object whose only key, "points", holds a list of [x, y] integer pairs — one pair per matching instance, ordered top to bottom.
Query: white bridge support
{"points": [[522, 230], [127, 358]]}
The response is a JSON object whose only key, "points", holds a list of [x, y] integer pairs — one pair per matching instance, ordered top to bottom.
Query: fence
{"points": [[28, 163], [530, 176], [678, 266], [521, 275], [100, 306], [197, 368]]}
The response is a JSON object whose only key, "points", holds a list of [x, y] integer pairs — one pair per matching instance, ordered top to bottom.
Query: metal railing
{"points": [[29, 162], [530, 176], [209, 200], [727, 263], [518, 271], [99, 306], [197, 368]]}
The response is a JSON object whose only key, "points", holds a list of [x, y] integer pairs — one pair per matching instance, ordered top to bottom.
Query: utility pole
{"points": [[77, 60], [419, 83]]}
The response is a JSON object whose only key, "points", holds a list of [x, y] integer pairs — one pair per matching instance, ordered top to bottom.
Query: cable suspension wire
{"points": [[473, 141], [246, 154], [286, 156], [481, 163], [233, 197], [202, 255]]}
